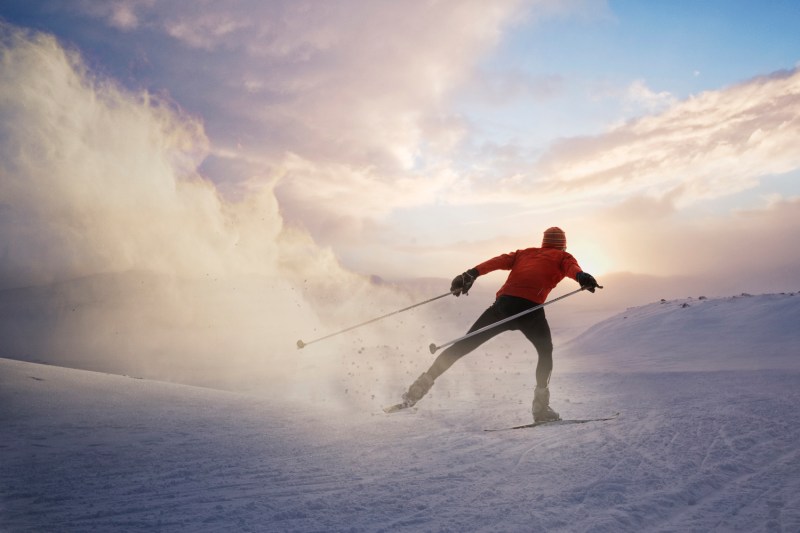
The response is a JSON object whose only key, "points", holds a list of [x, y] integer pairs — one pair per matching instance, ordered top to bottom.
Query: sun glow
{"points": [[592, 257]]}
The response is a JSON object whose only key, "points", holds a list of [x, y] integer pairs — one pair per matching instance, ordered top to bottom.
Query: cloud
{"points": [[120, 14], [349, 82], [641, 95], [343, 103], [713, 144], [335, 201]]}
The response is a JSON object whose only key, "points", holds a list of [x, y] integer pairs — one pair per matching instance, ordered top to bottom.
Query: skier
{"points": [[534, 273]]}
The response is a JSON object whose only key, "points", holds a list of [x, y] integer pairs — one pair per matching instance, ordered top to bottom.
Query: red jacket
{"points": [[534, 271]]}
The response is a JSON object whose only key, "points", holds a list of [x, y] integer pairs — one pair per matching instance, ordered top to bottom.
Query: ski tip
{"points": [[395, 408]]}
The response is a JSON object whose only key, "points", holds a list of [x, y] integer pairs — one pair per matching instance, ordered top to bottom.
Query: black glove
{"points": [[586, 280], [463, 282]]}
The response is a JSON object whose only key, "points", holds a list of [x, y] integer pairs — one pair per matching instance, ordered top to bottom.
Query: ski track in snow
{"points": [[691, 451]]}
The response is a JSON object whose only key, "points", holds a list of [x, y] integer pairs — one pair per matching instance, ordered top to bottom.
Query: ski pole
{"points": [[301, 344], [433, 346]]}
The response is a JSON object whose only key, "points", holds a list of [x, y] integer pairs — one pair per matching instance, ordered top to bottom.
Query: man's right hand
{"points": [[463, 282]]}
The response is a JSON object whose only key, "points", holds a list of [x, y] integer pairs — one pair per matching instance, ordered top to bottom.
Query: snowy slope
{"points": [[742, 332], [691, 450]]}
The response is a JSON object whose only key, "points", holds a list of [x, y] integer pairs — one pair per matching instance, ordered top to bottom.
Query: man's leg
{"points": [[537, 330], [461, 348], [445, 360]]}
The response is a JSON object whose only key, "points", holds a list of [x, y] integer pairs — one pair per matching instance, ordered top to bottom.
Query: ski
{"points": [[397, 407], [557, 423]]}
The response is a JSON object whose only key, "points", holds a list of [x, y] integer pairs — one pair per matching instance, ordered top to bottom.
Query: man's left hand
{"points": [[587, 281]]}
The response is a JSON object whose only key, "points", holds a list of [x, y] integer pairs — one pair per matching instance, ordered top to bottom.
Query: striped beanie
{"points": [[554, 238]]}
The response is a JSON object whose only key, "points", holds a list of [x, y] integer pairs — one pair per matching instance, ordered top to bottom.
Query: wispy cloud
{"points": [[120, 14], [641, 95], [714, 144]]}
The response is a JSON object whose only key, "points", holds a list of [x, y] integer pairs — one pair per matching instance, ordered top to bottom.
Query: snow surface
{"points": [[708, 439]]}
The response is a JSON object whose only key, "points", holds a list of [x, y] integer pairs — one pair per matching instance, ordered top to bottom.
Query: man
{"points": [[534, 273]]}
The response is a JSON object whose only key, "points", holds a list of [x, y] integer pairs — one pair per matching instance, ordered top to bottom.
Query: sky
{"points": [[399, 139]]}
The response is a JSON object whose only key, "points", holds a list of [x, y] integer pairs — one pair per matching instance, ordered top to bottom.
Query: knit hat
{"points": [[554, 238]]}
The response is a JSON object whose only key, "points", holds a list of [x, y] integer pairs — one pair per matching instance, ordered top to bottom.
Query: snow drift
{"points": [[742, 332]]}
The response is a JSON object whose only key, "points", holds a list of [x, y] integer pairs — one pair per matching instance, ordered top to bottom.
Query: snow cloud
{"points": [[95, 179], [151, 271]]}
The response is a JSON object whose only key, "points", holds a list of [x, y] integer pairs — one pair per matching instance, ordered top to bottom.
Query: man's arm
{"points": [[501, 262], [463, 282]]}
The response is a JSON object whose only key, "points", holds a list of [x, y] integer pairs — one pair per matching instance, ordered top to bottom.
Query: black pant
{"points": [[533, 325]]}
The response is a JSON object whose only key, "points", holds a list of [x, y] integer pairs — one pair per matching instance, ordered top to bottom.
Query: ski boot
{"points": [[417, 390], [542, 412]]}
